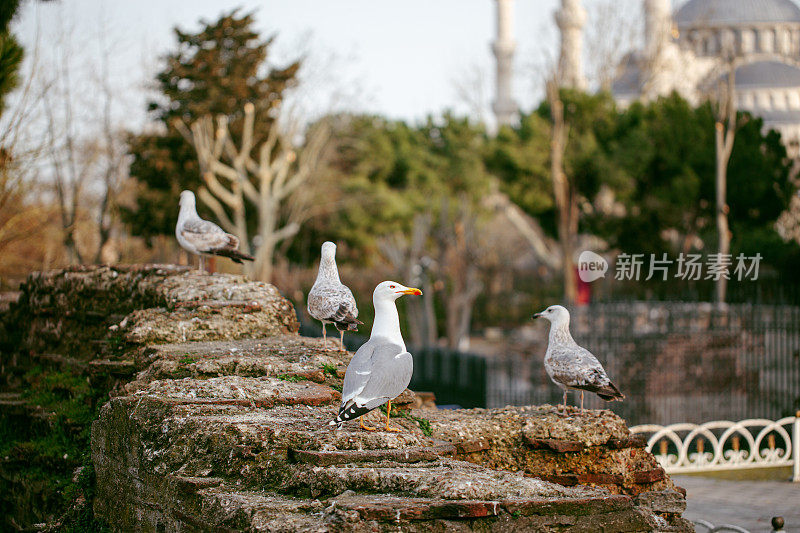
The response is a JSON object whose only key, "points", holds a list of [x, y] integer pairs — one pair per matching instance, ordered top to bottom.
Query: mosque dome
{"points": [[710, 13], [767, 74]]}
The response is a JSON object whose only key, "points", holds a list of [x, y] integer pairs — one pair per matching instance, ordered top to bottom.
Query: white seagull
{"points": [[201, 237], [329, 300], [571, 366], [381, 369]]}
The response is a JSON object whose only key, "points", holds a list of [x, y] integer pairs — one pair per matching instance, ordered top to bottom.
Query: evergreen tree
{"points": [[11, 53], [214, 71], [667, 147], [658, 160]]}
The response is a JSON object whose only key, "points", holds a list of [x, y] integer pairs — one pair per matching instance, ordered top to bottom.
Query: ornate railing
{"points": [[725, 445], [777, 526]]}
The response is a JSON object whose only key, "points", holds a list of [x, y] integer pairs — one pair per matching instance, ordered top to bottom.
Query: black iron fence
{"points": [[675, 362]]}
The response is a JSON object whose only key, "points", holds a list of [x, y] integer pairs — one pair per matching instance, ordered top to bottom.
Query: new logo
{"points": [[591, 266]]}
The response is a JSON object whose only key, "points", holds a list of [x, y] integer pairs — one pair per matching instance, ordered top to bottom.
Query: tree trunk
{"points": [[724, 134], [265, 177], [566, 202], [723, 230], [73, 254], [262, 266], [262, 270], [470, 291], [451, 304], [417, 325], [431, 325]]}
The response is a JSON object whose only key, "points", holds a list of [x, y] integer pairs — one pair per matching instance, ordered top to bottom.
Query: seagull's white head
{"points": [[187, 199], [328, 250], [391, 291], [556, 314]]}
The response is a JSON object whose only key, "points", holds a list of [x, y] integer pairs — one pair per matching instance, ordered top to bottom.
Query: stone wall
{"points": [[75, 335], [219, 422]]}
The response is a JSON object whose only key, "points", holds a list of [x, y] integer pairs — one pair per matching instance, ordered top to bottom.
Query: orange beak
{"points": [[411, 291]]}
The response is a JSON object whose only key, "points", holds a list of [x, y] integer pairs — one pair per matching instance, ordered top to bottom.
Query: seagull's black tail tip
{"points": [[234, 255], [610, 393], [349, 411]]}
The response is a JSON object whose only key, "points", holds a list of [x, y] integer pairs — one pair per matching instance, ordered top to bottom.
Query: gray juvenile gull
{"points": [[201, 237], [330, 301], [571, 366], [381, 369]]}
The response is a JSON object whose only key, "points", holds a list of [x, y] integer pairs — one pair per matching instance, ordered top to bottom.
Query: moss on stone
{"points": [[62, 323], [292, 378], [423, 423]]}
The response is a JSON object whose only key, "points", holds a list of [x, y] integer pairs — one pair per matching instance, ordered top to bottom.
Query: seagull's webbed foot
{"points": [[388, 414], [365, 427]]}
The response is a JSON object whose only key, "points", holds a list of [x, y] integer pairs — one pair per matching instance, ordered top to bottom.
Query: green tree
{"points": [[11, 53], [212, 72], [667, 148], [519, 157], [658, 160], [389, 171], [414, 196]]}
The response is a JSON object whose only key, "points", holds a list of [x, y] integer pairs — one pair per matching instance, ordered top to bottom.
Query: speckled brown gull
{"points": [[201, 237], [330, 301], [570, 366], [381, 369]]}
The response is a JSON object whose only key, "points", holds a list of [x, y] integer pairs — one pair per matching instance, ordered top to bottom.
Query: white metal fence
{"points": [[725, 445]]}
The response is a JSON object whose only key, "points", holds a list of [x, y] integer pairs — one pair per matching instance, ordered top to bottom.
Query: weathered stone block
{"points": [[560, 446], [412, 454], [649, 476], [663, 501]]}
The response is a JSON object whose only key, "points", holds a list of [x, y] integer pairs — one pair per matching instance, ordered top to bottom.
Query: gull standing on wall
{"points": [[201, 237], [330, 301], [571, 366], [381, 369]]}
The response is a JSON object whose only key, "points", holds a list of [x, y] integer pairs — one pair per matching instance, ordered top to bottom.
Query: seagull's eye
{"points": [[392, 287]]}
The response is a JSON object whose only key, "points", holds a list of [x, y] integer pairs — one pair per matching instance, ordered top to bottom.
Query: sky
{"points": [[400, 59]]}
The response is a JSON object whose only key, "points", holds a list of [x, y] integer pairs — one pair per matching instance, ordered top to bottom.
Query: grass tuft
{"points": [[330, 369], [292, 378], [423, 423]]}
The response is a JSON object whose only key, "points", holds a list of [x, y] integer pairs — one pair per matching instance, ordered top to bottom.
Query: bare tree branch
{"points": [[268, 185]]}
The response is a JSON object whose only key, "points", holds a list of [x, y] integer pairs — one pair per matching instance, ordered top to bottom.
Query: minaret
{"points": [[570, 20], [657, 26], [504, 106]]}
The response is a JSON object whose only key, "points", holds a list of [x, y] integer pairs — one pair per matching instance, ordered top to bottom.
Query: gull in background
{"points": [[201, 237], [330, 301], [571, 366], [381, 369]]}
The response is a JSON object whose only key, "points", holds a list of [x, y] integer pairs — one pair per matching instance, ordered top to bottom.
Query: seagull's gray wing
{"points": [[206, 236], [349, 301], [333, 303], [577, 368], [379, 371], [390, 375]]}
